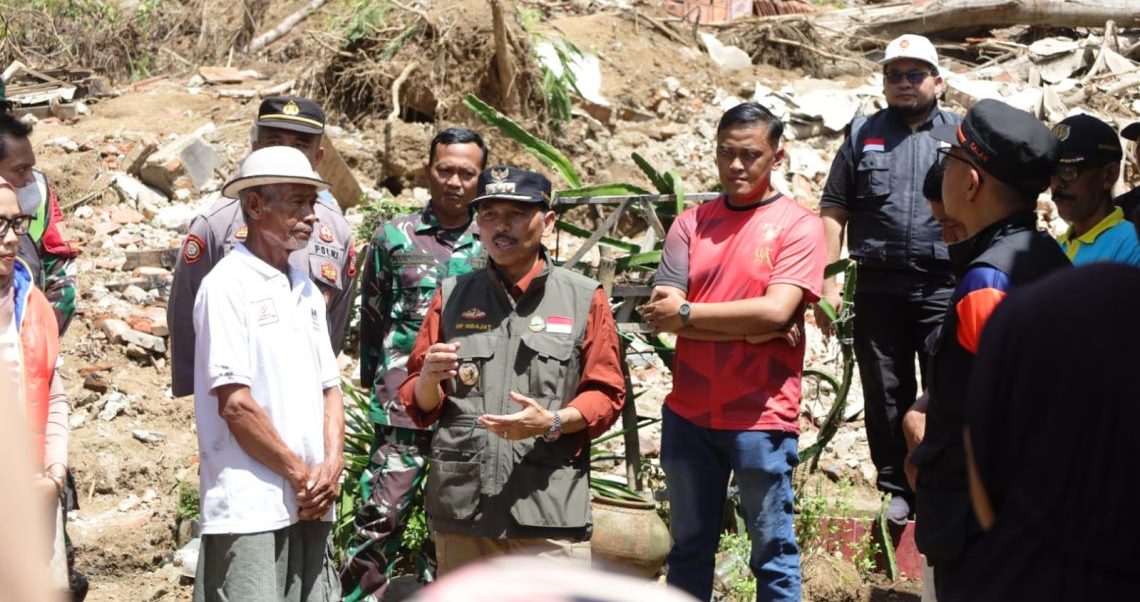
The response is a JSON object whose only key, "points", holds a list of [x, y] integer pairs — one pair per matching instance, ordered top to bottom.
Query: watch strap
{"points": [[554, 431]]}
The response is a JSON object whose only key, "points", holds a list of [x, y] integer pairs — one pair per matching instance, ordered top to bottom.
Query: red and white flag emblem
{"points": [[559, 324]]}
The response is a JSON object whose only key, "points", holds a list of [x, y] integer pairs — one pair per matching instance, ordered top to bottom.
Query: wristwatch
{"points": [[685, 311], [555, 431]]}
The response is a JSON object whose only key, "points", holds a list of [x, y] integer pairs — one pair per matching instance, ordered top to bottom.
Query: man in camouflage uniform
{"points": [[48, 254], [329, 259], [407, 259]]}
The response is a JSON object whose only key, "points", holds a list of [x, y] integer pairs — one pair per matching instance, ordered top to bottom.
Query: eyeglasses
{"points": [[914, 77], [945, 152], [1067, 172], [19, 224]]}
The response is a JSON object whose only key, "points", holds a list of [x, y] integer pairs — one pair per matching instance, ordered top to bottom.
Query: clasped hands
{"points": [[662, 314], [317, 487]]}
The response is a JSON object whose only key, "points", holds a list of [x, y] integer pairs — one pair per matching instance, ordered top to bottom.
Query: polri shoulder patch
{"points": [[192, 249], [329, 272]]}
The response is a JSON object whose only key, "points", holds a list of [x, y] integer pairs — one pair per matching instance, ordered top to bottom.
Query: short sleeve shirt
{"points": [[718, 253], [260, 328]]}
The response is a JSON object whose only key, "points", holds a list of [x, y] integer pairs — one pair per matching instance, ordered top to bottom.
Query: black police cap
{"points": [[291, 113], [1008, 143], [512, 184]]}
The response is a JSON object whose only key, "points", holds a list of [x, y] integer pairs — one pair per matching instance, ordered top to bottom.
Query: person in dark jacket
{"points": [[999, 160], [874, 192]]}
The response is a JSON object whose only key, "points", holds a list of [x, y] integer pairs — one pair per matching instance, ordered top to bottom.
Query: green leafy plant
{"points": [[538, 148], [844, 324], [358, 435], [189, 502], [733, 571]]}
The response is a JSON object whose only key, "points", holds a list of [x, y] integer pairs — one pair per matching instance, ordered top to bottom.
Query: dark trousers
{"points": [[891, 329]]}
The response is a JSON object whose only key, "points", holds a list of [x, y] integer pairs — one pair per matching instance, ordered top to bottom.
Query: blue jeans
{"points": [[697, 463]]}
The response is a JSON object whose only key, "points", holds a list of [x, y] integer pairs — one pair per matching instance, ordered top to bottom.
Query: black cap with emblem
{"points": [[291, 113], [1086, 138], [1008, 143], [512, 184]]}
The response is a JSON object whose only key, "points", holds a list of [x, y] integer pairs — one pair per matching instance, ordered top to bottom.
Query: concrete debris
{"points": [[729, 58], [63, 142], [188, 162], [138, 193], [145, 341], [113, 403], [148, 436]]}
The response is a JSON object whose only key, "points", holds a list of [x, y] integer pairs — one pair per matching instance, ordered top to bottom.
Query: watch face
{"points": [[684, 309]]}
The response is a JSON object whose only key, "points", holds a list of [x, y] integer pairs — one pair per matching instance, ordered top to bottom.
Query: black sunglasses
{"points": [[915, 77], [19, 224]]}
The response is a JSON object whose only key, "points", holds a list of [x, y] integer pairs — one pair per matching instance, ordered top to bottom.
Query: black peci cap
{"points": [[291, 113], [1086, 138], [1009, 144], [512, 184]]}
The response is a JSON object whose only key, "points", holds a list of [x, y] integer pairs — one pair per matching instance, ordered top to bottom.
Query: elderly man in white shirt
{"points": [[267, 400]]}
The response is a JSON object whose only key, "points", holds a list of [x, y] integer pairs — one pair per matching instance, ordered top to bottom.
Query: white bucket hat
{"points": [[910, 46], [273, 165]]}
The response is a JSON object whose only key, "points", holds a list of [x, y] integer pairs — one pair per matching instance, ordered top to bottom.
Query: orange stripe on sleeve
{"points": [[973, 311]]}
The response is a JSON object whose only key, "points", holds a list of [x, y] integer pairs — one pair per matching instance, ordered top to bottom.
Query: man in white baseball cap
{"points": [[874, 192], [267, 400]]}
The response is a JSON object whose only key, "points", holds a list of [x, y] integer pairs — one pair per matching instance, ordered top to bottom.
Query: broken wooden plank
{"points": [[335, 171], [602, 230], [152, 258]]}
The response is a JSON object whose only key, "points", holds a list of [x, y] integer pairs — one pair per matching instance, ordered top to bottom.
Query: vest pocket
{"points": [[873, 175], [475, 353], [545, 365], [453, 490], [550, 497]]}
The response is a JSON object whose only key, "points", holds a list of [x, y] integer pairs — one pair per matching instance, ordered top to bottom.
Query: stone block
{"points": [[188, 162]]}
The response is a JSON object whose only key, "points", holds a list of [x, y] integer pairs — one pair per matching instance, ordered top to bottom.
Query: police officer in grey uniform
{"points": [[329, 258], [904, 281]]}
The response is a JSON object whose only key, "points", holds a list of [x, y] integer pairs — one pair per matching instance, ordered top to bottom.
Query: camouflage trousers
{"points": [[59, 289], [391, 486]]}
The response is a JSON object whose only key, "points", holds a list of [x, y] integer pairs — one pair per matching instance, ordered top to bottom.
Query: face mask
{"points": [[29, 198]]}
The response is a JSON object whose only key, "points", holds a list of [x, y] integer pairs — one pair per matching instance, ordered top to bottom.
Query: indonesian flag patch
{"points": [[874, 144], [559, 324]]}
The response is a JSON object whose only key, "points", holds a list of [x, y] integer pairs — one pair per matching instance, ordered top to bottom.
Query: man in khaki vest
{"points": [[519, 363]]}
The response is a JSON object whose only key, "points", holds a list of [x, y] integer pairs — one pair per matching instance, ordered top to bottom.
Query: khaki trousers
{"points": [[454, 550]]}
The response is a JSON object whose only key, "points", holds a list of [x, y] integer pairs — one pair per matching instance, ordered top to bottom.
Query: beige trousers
{"points": [[454, 550]]}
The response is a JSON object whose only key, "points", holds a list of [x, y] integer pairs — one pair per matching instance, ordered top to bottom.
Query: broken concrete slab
{"points": [[729, 58], [226, 75], [138, 155], [188, 162], [135, 191], [178, 217], [113, 329], [148, 342], [114, 403], [148, 436]]}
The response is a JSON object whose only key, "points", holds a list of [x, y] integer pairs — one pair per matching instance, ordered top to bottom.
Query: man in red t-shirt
{"points": [[736, 272]]}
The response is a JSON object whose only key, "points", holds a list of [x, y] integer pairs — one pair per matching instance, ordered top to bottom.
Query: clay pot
{"points": [[629, 534]]}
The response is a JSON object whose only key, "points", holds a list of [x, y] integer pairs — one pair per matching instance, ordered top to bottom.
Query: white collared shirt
{"points": [[258, 327]]}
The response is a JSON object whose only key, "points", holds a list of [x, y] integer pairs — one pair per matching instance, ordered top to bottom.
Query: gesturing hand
{"points": [[531, 421]]}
